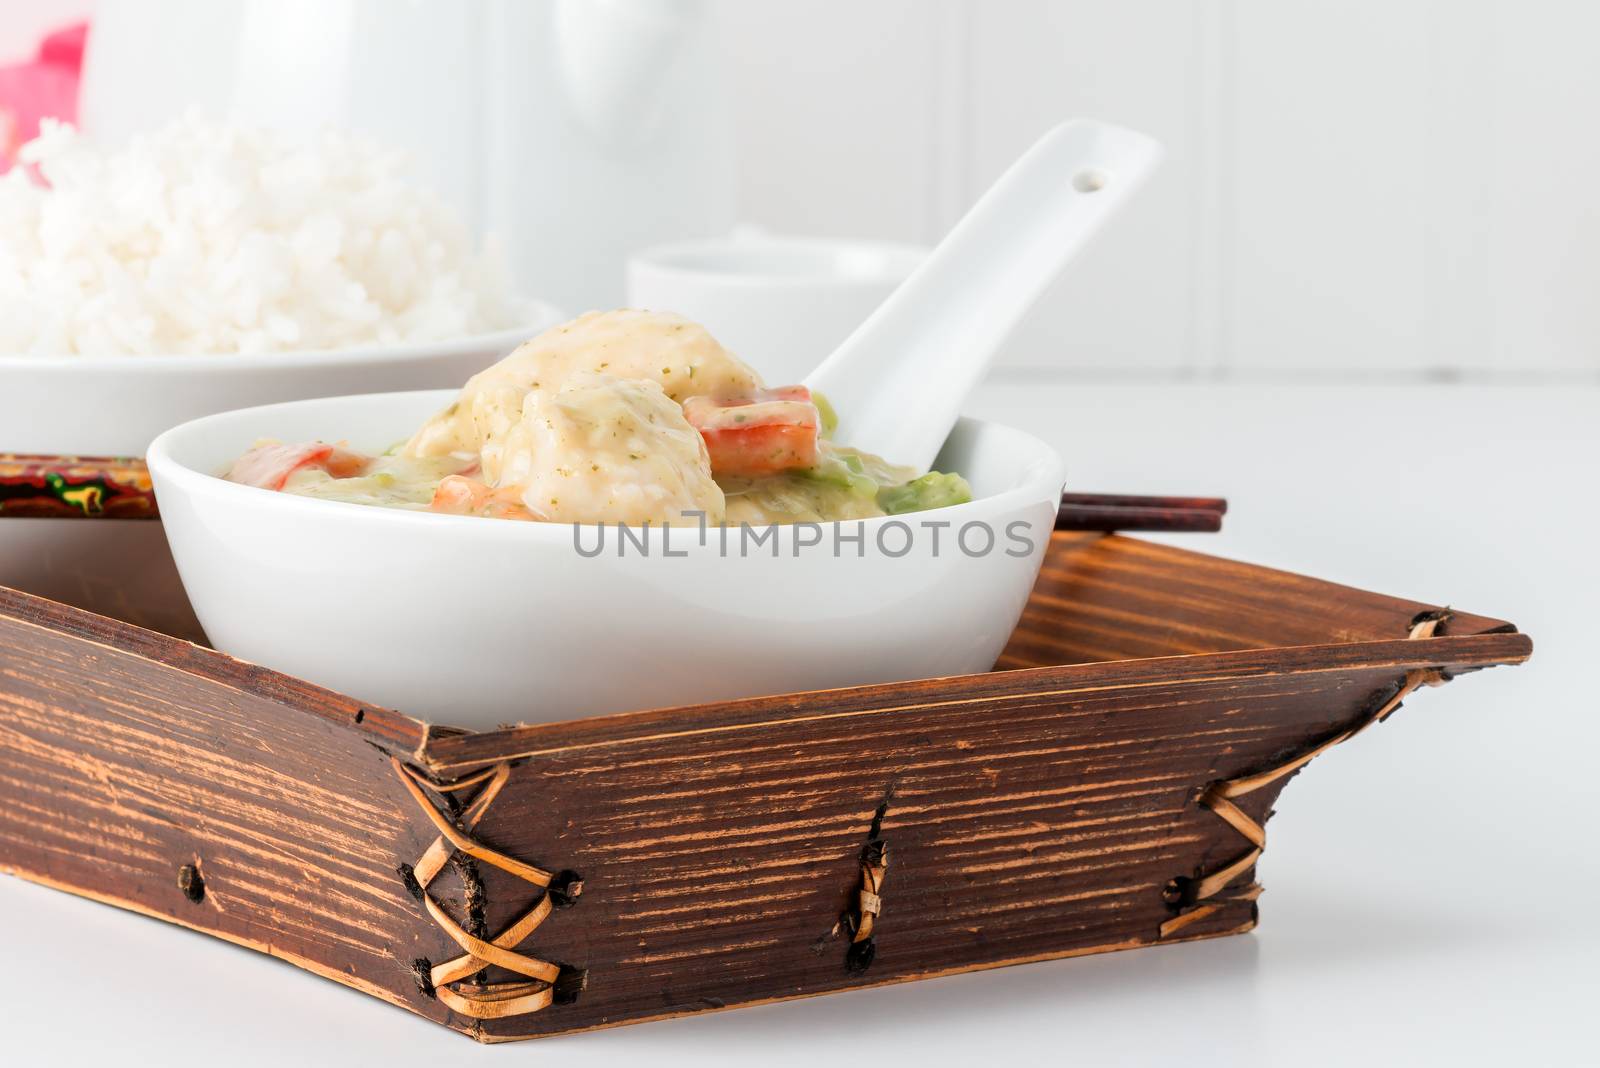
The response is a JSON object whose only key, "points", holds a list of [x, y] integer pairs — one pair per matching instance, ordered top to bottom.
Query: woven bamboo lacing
{"points": [[1219, 798], [874, 866], [481, 1001]]}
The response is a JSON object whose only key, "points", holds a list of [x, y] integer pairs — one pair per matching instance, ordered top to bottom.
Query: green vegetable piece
{"points": [[830, 418], [844, 471], [936, 489]]}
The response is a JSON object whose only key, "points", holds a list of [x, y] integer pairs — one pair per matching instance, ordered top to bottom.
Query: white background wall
{"points": [[1355, 188], [1364, 189]]}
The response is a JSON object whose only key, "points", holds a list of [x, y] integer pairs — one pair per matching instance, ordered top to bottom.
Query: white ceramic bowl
{"points": [[784, 303], [115, 406], [479, 622]]}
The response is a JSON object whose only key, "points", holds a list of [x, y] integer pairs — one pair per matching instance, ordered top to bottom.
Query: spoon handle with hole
{"points": [[898, 382]]}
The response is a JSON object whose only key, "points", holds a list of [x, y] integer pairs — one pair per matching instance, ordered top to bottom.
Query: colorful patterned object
{"points": [[45, 86], [75, 487]]}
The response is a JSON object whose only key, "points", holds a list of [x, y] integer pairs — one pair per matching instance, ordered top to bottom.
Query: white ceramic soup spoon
{"points": [[899, 381]]}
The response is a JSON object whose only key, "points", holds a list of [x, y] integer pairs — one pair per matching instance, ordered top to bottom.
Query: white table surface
{"points": [[1430, 887]]}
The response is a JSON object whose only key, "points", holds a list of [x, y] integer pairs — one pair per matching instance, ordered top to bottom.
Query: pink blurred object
{"points": [[43, 87]]}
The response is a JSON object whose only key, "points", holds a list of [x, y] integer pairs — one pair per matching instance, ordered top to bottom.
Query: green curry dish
{"points": [[845, 470], [845, 484], [936, 489]]}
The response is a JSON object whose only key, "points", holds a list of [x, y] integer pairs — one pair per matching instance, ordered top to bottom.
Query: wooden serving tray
{"points": [[1104, 788]]}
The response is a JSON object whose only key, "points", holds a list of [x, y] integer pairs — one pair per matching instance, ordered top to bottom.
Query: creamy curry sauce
{"points": [[624, 416]]}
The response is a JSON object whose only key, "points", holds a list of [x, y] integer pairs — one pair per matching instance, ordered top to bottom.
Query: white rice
{"points": [[207, 238]]}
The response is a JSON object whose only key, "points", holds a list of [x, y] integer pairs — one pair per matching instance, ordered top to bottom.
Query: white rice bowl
{"points": [[208, 239]]}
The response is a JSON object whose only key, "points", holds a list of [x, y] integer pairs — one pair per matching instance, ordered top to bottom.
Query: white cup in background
{"points": [[780, 303]]}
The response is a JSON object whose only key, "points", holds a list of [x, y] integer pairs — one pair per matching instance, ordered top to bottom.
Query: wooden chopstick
{"points": [[75, 487], [116, 487], [1123, 500], [1116, 511], [1170, 520]]}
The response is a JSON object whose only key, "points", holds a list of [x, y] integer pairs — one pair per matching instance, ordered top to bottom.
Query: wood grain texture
{"points": [[117, 770], [1035, 812]]}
